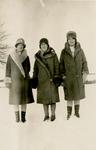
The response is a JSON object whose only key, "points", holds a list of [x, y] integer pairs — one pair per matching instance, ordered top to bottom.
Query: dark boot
{"points": [[53, 108], [77, 110], [46, 112], [69, 112], [17, 116], [23, 116], [53, 117], [46, 118]]}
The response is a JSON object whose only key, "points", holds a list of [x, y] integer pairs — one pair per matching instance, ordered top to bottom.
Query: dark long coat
{"points": [[72, 68], [45, 69], [17, 76]]}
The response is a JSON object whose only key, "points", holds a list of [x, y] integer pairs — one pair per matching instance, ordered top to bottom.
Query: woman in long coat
{"points": [[74, 70], [46, 71], [18, 79]]}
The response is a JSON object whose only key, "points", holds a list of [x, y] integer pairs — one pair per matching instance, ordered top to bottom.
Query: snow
{"points": [[36, 134]]}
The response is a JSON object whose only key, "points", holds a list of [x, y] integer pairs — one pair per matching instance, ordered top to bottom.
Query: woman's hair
{"points": [[73, 35], [75, 41]]}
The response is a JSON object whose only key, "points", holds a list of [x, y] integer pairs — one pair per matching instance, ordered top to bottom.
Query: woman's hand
{"points": [[64, 77]]}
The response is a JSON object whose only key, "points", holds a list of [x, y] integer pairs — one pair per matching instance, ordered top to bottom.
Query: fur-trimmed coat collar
{"points": [[77, 48], [49, 53], [19, 59], [42, 59]]}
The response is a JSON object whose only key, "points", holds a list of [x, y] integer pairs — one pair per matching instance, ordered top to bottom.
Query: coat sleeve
{"points": [[84, 64], [62, 65], [26, 66], [57, 68], [35, 70], [8, 72], [57, 78], [34, 79]]}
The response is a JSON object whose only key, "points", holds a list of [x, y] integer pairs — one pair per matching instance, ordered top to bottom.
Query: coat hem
{"points": [[74, 99], [20, 103], [47, 103]]}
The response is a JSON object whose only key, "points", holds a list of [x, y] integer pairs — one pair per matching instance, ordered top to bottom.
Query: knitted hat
{"points": [[71, 34], [43, 40], [20, 41]]}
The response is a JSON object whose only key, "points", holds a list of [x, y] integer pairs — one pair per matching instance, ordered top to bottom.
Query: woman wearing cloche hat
{"points": [[74, 70], [46, 71], [17, 79]]}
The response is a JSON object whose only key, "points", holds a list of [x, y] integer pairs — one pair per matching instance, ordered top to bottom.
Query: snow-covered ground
{"points": [[75, 134]]}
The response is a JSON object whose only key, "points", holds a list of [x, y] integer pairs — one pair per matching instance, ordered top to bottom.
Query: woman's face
{"points": [[71, 41], [20, 47], [44, 47]]}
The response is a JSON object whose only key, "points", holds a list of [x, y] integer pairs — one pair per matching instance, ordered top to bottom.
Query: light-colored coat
{"points": [[18, 79]]}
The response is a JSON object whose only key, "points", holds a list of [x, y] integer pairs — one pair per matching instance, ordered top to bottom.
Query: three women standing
{"points": [[74, 70], [46, 71], [18, 79]]}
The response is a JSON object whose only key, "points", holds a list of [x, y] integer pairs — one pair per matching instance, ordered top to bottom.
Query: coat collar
{"points": [[77, 49], [50, 53], [19, 59], [43, 65]]}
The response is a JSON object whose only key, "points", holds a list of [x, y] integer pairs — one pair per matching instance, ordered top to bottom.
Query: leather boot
{"points": [[77, 110], [69, 112], [17, 116], [23, 116]]}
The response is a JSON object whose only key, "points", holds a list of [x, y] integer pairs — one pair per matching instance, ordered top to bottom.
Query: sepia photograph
{"points": [[47, 74]]}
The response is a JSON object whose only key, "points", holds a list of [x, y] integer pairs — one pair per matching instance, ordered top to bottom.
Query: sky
{"points": [[35, 19]]}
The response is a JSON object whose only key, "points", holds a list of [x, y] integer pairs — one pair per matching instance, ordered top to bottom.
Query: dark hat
{"points": [[71, 34], [43, 40], [20, 41]]}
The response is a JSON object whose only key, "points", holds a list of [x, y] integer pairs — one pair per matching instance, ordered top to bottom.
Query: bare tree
{"points": [[3, 46]]}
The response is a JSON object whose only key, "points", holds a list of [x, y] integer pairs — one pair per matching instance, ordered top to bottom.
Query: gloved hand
{"points": [[63, 78], [57, 81], [34, 82]]}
